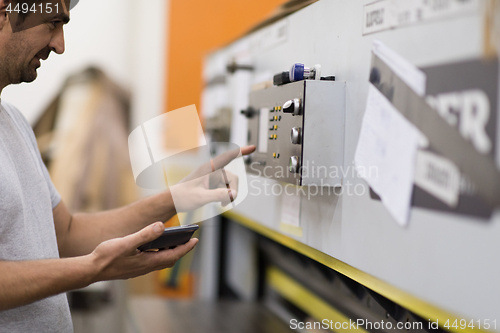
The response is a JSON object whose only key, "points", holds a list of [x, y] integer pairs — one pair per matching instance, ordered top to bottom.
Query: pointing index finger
{"points": [[247, 150]]}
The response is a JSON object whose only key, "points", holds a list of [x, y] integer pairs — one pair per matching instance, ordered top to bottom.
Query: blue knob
{"points": [[297, 72]]}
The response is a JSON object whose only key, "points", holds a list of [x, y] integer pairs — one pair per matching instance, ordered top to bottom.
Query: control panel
{"points": [[298, 129]]}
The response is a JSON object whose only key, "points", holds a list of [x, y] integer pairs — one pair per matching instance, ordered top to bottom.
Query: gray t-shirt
{"points": [[27, 197]]}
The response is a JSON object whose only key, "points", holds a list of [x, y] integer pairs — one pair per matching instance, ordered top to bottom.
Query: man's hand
{"points": [[209, 183], [80, 234], [119, 258]]}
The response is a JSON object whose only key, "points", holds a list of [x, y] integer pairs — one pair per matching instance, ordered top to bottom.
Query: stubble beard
{"points": [[17, 70], [28, 73]]}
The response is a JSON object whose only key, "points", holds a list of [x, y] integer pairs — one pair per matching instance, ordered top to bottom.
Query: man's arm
{"points": [[80, 233], [23, 282]]}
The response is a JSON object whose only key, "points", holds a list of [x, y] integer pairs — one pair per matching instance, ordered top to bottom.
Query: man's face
{"points": [[24, 50]]}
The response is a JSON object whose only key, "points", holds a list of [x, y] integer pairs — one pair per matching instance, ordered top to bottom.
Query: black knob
{"points": [[232, 67], [375, 76], [281, 78], [292, 106], [249, 112], [247, 159]]}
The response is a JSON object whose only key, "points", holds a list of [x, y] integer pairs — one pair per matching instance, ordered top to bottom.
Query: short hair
{"points": [[21, 17], [18, 18]]}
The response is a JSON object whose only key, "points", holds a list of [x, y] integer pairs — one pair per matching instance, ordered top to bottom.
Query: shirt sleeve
{"points": [[29, 135], [54, 195]]}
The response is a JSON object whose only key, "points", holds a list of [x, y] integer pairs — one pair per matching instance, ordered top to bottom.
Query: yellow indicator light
{"points": [[275, 117], [275, 127], [274, 155]]}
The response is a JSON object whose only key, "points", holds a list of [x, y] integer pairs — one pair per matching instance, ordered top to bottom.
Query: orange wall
{"points": [[197, 27]]}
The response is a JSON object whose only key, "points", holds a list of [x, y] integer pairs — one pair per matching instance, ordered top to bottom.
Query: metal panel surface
{"points": [[320, 150], [323, 151], [265, 164], [446, 259]]}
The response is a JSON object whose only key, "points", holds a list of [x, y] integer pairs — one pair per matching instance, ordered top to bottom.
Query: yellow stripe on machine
{"points": [[304, 299], [404, 299]]}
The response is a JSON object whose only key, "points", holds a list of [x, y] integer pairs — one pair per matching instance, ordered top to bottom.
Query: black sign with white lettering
{"points": [[465, 94]]}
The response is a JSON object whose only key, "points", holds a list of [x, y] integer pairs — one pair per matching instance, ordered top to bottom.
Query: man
{"points": [[35, 226]]}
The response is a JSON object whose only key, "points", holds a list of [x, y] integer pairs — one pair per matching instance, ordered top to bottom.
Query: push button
{"points": [[296, 135], [294, 164]]}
